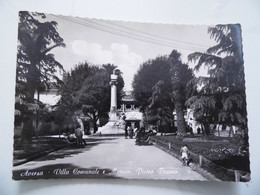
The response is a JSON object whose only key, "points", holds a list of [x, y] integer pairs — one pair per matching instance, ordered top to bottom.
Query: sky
{"points": [[125, 44]]}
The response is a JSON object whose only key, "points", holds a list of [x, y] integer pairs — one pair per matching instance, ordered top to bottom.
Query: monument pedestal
{"points": [[113, 117], [111, 129]]}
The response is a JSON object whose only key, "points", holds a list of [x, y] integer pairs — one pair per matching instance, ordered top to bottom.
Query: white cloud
{"points": [[92, 52], [119, 55], [122, 55]]}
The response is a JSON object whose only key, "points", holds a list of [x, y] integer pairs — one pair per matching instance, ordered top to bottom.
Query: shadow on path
{"points": [[71, 150]]}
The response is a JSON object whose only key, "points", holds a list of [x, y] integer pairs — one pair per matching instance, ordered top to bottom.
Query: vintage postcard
{"points": [[113, 99]]}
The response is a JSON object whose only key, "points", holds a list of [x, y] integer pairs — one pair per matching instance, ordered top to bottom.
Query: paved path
{"points": [[121, 156]]}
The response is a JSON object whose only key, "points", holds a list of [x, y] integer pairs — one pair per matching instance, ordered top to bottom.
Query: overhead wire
{"points": [[119, 33], [152, 35], [203, 47]]}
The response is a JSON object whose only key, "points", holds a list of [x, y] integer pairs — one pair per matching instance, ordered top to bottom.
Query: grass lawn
{"points": [[36, 147], [219, 150]]}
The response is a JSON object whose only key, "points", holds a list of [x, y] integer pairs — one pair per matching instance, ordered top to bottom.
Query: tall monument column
{"points": [[113, 102]]}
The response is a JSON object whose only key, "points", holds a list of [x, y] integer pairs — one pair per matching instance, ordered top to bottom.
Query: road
{"points": [[115, 157]]}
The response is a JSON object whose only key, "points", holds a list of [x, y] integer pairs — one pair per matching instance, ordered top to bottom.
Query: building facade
{"points": [[128, 110]]}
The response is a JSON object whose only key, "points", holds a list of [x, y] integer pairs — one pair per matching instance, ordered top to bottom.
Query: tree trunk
{"points": [[32, 82], [37, 116], [95, 118], [181, 124], [95, 126], [206, 129], [203, 130], [218, 130], [27, 131], [231, 133]]}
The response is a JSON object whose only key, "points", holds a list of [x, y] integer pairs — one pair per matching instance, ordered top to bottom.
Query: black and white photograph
{"points": [[129, 100]]}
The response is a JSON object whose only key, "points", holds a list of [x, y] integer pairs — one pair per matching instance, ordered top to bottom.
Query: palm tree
{"points": [[180, 75]]}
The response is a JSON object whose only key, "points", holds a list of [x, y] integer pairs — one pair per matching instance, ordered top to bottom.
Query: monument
{"points": [[113, 98], [127, 114], [115, 125]]}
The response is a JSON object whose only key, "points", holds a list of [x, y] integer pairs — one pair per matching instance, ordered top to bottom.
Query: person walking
{"points": [[136, 129], [198, 130], [126, 132], [130, 132], [79, 137], [184, 155]]}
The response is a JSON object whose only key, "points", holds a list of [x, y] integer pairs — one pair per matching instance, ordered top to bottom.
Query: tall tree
{"points": [[229, 43], [36, 66], [155, 75], [180, 75], [72, 82], [225, 83], [94, 96]]}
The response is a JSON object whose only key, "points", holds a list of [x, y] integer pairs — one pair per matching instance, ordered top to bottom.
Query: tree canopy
{"points": [[36, 66], [149, 73], [159, 84]]}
